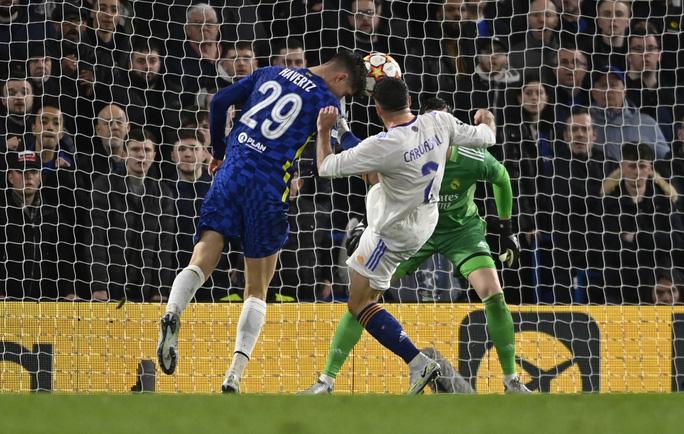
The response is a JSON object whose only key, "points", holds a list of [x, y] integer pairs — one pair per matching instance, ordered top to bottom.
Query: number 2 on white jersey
{"points": [[281, 117], [428, 168]]}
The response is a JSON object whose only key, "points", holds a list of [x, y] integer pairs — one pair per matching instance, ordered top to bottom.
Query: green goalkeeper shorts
{"points": [[465, 247]]}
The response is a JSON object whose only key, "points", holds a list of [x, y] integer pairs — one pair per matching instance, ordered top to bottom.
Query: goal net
{"points": [[104, 152]]}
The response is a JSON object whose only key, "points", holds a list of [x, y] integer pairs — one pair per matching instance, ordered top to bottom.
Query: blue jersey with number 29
{"points": [[279, 111], [248, 198]]}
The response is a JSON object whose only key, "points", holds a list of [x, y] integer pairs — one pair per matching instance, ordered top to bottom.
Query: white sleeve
{"points": [[470, 136], [367, 156]]}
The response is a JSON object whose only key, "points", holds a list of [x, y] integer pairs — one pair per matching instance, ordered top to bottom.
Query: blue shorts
{"points": [[239, 207]]}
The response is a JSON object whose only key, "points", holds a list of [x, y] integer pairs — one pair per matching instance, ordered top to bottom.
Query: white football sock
{"points": [[186, 283], [249, 327]]}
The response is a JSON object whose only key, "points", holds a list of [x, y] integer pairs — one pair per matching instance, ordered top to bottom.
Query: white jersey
{"points": [[410, 160]]}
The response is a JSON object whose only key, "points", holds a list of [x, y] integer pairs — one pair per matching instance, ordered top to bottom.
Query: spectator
{"points": [[301, 20], [70, 21], [241, 21], [574, 25], [18, 26], [362, 30], [108, 39], [541, 41], [610, 41], [290, 55], [436, 59], [238, 61], [195, 64], [40, 72], [572, 72], [487, 87], [650, 88], [76, 92], [152, 102], [16, 109], [198, 120], [619, 122], [48, 140], [527, 153], [107, 154], [678, 154], [189, 181], [565, 219], [641, 226], [133, 230], [37, 237], [305, 269], [666, 290]]}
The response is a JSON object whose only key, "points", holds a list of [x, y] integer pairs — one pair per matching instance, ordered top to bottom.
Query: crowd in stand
{"points": [[104, 138]]}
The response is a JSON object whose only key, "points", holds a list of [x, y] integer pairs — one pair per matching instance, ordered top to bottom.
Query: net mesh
{"points": [[114, 97]]}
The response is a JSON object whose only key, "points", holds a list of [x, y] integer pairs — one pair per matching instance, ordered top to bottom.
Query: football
{"points": [[380, 65]]}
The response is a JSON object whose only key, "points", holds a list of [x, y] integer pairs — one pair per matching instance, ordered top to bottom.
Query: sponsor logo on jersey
{"points": [[248, 141], [446, 200]]}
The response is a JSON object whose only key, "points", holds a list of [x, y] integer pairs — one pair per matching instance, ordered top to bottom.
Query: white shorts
{"points": [[373, 260]]}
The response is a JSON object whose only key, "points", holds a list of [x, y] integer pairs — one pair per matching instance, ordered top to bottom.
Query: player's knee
{"points": [[488, 290]]}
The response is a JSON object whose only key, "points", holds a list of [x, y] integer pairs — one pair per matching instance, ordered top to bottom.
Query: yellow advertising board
{"points": [[95, 347]]}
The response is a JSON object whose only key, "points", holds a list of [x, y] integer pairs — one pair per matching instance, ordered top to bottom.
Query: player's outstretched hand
{"points": [[483, 116], [327, 117], [214, 165], [355, 229], [509, 244]]}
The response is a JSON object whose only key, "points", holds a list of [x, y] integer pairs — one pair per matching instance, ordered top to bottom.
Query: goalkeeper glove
{"points": [[342, 126], [355, 229], [509, 247]]}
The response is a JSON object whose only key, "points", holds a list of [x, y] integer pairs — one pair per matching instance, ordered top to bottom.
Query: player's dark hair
{"points": [[354, 65], [391, 94], [433, 104]]}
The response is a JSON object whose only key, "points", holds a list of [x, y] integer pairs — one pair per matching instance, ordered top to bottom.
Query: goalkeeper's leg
{"points": [[205, 256], [482, 276], [347, 335]]}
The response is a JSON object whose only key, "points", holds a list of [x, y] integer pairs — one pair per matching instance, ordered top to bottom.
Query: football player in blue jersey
{"points": [[248, 199]]}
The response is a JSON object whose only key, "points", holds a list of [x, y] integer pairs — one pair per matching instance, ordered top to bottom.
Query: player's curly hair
{"points": [[354, 65]]}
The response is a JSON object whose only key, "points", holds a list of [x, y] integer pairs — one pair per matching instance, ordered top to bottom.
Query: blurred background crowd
{"points": [[104, 140]]}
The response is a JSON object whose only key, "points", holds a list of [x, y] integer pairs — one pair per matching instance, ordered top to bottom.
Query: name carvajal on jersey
{"points": [[298, 79], [248, 141], [422, 149]]}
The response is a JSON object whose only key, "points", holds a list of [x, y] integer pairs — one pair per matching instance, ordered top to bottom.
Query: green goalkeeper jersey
{"points": [[462, 172]]}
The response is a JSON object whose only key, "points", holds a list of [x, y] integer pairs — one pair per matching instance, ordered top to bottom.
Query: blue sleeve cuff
{"points": [[349, 140]]}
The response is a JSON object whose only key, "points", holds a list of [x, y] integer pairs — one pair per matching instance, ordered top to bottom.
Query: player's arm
{"points": [[218, 111], [344, 134], [480, 135], [361, 159], [497, 174]]}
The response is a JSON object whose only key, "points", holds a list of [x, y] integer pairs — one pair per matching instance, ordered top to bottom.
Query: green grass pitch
{"points": [[367, 414]]}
